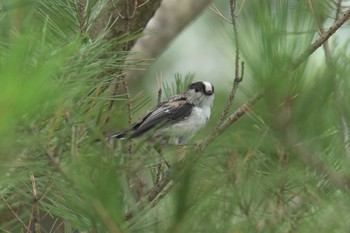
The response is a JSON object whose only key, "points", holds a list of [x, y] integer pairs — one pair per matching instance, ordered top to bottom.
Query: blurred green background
{"points": [[282, 167]]}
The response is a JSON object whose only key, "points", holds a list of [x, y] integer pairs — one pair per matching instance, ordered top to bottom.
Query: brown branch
{"points": [[237, 77], [243, 109], [153, 196]]}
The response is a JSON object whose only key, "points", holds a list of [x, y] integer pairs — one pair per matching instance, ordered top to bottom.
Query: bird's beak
{"points": [[208, 93]]}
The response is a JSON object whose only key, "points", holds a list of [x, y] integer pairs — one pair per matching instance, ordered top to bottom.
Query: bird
{"points": [[178, 118]]}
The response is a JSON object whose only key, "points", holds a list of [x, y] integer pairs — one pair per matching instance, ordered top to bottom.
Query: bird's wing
{"points": [[165, 113]]}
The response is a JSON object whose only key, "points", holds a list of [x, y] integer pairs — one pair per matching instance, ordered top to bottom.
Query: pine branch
{"points": [[324, 37]]}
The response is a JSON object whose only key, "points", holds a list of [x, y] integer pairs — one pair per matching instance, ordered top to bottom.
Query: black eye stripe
{"points": [[197, 86], [202, 87]]}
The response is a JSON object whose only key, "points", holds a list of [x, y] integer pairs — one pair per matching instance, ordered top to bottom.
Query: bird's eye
{"points": [[197, 89]]}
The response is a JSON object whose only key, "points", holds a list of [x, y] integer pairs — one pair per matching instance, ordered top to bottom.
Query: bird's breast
{"points": [[195, 121]]}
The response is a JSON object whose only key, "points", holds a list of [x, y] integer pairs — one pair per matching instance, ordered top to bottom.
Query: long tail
{"points": [[120, 135]]}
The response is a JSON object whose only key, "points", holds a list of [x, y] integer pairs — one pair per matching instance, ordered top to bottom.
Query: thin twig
{"points": [[142, 4], [338, 9], [216, 11], [238, 12], [82, 17], [127, 17], [237, 78], [159, 85], [127, 92], [55, 163], [159, 172], [156, 190], [48, 211], [36, 212], [15, 214]]}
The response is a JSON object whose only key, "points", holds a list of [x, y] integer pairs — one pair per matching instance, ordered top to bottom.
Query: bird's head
{"points": [[200, 94]]}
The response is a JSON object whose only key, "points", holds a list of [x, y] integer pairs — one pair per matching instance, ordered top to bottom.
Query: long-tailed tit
{"points": [[180, 117]]}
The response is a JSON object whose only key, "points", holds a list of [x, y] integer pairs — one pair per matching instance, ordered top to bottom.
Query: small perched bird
{"points": [[180, 117]]}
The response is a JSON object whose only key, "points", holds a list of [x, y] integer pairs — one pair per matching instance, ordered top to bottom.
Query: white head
{"points": [[201, 94]]}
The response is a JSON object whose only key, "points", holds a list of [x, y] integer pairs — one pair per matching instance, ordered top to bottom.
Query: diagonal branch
{"points": [[324, 37], [243, 109]]}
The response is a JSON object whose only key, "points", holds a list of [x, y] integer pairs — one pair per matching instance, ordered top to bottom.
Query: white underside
{"points": [[186, 128]]}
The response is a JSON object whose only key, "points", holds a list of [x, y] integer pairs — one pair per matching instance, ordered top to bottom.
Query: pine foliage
{"points": [[282, 167]]}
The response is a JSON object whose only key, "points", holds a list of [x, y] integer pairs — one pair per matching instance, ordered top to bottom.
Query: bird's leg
{"points": [[159, 151]]}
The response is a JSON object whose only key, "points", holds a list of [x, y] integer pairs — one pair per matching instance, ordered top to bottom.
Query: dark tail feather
{"points": [[120, 135]]}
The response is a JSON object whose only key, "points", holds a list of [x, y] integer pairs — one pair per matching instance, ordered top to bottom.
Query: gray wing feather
{"points": [[164, 114]]}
